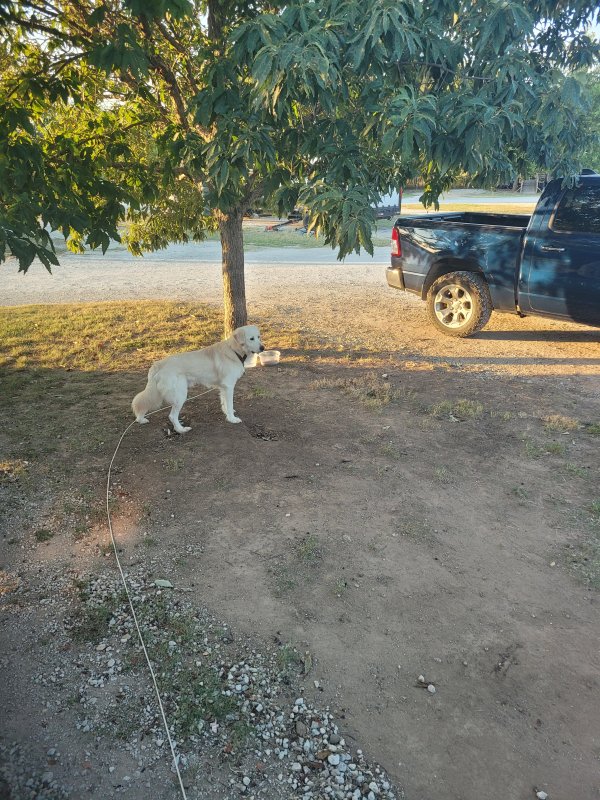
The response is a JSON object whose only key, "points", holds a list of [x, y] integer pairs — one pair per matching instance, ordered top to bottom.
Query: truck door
{"points": [[561, 261]]}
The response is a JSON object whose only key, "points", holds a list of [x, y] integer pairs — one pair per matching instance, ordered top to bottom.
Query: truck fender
{"points": [[446, 265]]}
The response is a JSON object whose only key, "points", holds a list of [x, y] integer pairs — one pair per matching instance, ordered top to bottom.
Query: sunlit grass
{"points": [[92, 336]]}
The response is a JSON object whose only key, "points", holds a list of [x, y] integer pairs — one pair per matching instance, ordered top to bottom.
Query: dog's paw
{"points": [[233, 419], [143, 421], [182, 429]]}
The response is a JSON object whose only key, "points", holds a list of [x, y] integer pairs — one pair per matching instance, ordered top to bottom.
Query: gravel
{"points": [[236, 708]]}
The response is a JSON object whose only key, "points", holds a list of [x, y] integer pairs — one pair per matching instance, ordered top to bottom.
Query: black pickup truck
{"points": [[466, 265]]}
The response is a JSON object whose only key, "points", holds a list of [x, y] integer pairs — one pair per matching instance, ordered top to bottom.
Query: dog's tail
{"points": [[148, 400]]}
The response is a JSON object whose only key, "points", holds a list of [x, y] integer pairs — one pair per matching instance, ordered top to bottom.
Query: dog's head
{"points": [[247, 339]]}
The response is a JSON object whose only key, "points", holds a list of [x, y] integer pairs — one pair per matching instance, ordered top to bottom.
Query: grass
{"points": [[483, 208], [94, 336], [370, 389], [460, 409], [557, 423], [555, 448], [532, 449], [12, 470], [576, 471], [444, 475], [43, 535], [308, 549], [289, 660]]}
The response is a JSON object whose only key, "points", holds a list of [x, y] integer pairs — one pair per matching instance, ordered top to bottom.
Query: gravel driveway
{"points": [[347, 303]]}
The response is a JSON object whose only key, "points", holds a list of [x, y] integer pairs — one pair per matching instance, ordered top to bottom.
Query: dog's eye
{"points": [[252, 338]]}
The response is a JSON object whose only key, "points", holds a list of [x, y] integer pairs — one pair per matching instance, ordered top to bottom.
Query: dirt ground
{"points": [[396, 504]]}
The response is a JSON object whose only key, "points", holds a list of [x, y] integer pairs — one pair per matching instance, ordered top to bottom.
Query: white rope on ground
{"points": [[133, 614]]}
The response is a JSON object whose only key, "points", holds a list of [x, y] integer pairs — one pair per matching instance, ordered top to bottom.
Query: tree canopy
{"points": [[179, 115]]}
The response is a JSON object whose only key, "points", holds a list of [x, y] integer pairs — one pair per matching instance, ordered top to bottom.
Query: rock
{"points": [[431, 688], [301, 729], [334, 738], [334, 759], [541, 795]]}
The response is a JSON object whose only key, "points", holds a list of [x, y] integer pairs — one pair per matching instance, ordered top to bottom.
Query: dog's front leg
{"points": [[226, 393]]}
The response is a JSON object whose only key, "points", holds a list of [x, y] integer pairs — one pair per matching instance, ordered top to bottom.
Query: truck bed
{"points": [[467, 218], [488, 242]]}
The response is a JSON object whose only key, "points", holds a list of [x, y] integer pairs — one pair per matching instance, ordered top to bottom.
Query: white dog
{"points": [[220, 366]]}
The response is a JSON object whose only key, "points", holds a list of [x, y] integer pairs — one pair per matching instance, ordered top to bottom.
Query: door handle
{"points": [[552, 249]]}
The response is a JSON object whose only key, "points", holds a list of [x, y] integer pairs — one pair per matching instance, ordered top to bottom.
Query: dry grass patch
{"points": [[372, 390], [457, 409], [557, 423], [12, 470]]}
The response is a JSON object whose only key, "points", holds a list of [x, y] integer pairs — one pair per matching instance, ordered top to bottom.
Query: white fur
{"points": [[216, 366]]}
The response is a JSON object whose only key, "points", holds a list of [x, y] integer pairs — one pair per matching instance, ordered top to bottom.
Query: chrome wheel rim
{"points": [[453, 306]]}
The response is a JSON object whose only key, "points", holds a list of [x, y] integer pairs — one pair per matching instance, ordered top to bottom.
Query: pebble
{"points": [[431, 688], [541, 795]]}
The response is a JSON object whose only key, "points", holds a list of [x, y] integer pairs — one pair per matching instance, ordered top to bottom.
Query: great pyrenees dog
{"points": [[219, 366]]}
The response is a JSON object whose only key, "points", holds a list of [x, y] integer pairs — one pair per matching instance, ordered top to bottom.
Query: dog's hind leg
{"points": [[177, 397]]}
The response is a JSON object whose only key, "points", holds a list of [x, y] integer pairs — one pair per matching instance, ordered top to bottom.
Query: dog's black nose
{"points": [[262, 347]]}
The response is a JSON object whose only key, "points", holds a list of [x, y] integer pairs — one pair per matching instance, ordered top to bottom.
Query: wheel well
{"points": [[444, 267]]}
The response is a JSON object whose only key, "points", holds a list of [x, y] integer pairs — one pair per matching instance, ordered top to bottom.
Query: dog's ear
{"points": [[239, 335]]}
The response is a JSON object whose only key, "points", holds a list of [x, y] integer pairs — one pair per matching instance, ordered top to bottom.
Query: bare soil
{"points": [[396, 504]]}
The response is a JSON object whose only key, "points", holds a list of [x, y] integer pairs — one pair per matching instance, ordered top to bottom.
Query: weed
{"points": [[260, 391], [373, 391], [461, 409], [505, 416], [560, 423], [593, 428], [555, 448], [532, 449], [390, 450], [173, 464], [12, 470], [578, 472], [443, 475], [520, 492], [595, 509], [414, 529], [43, 535], [308, 549], [584, 559], [284, 582], [340, 587], [92, 624], [289, 660], [200, 698], [241, 733]]}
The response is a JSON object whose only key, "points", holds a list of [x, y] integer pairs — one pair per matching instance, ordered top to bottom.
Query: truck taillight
{"points": [[396, 246]]}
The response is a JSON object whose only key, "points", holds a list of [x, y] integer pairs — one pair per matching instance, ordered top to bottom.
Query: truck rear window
{"points": [[579, 211]]}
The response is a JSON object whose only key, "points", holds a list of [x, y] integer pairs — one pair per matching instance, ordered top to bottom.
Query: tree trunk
{"points": [[234, 286]]}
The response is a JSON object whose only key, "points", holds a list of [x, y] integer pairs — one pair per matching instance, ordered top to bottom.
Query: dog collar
{"points": [[241, 358]]}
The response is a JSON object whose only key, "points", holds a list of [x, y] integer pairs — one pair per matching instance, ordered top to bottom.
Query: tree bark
{"points": [[232, 260]]}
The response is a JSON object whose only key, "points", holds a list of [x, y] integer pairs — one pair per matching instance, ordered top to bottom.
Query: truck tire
{"points": [[459, 303]]}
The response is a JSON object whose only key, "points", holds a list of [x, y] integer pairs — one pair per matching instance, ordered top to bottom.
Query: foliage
{"points": [[590, 81], [182, 114]]}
